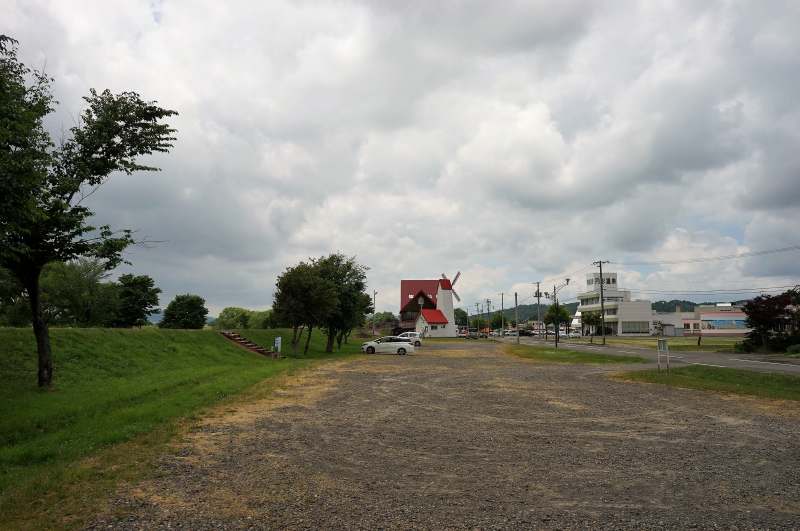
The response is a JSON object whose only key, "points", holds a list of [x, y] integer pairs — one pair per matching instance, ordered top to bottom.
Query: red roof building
{"points": [[435, 317]]}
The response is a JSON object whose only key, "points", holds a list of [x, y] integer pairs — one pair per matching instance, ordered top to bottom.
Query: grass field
{"points": [[707, 344], [565, 355], [737, 381], [111, 387]]}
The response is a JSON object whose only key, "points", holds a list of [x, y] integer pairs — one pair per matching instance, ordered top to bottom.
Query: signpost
{"points": [[277, 346], [663, 350]]}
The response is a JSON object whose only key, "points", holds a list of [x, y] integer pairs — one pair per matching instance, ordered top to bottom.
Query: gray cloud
{"points": [[512, 141]]}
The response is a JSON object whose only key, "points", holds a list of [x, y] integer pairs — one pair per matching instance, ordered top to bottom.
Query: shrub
{"points": [[793, 349]]}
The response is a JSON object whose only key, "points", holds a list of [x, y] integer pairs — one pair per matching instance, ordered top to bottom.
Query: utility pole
{"points": [[600, 263], [374, 293], [555, 303], [538, 309], [488, 313], [502, 315], [516, 315], [477, 319]]}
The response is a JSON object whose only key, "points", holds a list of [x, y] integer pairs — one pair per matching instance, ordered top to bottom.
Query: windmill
{"points": [[453, 283]]}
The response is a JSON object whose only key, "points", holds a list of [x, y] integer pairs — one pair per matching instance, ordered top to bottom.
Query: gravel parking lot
{"points": [[464, 436]]}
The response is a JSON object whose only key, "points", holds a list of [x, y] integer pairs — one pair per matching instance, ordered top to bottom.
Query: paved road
{"points": [[713, 359], [467, 437]]}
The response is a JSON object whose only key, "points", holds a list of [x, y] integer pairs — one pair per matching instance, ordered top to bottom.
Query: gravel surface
{"points": [[467, 437]]}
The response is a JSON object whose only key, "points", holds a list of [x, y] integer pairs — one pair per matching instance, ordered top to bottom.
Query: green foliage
{"points": [[43, 217], [328, 292], [137, 299], [185, 311], [556, 314], [461, 316], [233, 317], [260, 319], [382, 319], [774, 319], [793, 349], [737, 381]]}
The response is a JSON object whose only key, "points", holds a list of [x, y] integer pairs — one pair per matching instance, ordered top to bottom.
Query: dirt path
{"points": [[469, 437]]}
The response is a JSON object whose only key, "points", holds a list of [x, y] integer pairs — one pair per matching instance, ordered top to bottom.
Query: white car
{"points": [[574, 335], [413, 337], [389, 345]]}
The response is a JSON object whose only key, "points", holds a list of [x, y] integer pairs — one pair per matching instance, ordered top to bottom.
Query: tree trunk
{"points": [[331, 337], [294, 339], [339, 339], [308, 340], [45, 374]]}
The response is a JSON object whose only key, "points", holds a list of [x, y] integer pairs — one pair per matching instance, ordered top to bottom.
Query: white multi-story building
{"points": [[624, 317]]}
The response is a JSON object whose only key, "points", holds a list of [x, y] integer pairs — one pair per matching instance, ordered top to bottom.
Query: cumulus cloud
{"points": [[514, 143]]}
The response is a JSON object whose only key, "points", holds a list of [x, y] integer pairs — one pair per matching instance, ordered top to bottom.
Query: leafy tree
{"points": [[42, 187], [349, 279], [72, 293], [304, 298], [137, 299], [14, 307], [185, 311], [556, 314], [772, 314], [233, 317], [461, 317], [260, 319], [497, 320], [592, 321], [478, 322]]}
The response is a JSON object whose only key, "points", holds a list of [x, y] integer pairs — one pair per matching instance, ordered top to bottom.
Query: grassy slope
{"points": [[266, 338], [708, 344], [565, 355], [737, 381], [111, 386]]}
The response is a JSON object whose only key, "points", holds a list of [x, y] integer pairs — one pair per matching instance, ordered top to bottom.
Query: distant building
{"points": [[426, 306], [623, 316]]}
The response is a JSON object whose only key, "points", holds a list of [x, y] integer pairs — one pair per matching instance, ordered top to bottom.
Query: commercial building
{"points": [[623, 315], [721, 319]]}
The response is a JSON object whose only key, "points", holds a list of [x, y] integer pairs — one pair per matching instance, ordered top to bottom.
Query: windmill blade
{"points": [[444, 276], [455, 279], [456, 295]]}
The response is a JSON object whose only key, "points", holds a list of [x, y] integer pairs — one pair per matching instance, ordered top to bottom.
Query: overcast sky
{"points": [[513, 141]]}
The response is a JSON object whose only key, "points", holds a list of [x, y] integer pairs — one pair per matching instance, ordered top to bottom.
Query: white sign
{"points": [[278, 344]]}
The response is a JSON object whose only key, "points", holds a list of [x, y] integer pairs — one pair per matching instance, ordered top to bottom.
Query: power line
{"points": [[712, 258], [708, 291]]}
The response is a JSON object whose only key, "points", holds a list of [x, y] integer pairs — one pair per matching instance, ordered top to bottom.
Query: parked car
{"points": [[511, 333], [524, 333], [574, 334], [413, 337], [388, 345]]}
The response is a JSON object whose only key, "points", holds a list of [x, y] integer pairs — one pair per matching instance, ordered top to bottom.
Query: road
{"points": [[753, 362], [464, 436]]}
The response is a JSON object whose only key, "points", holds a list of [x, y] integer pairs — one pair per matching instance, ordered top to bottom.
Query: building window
{"points": [[687, 326], [696, 326], [434, 327], [635, 327]]}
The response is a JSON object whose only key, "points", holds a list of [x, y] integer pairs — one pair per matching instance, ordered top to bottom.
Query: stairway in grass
{"points": [[249, 345]]}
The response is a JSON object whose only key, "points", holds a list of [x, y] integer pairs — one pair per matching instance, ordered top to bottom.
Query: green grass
{"points": [[677, 344], [316, 348], [565, 355], [737, 381], [110, 387]]}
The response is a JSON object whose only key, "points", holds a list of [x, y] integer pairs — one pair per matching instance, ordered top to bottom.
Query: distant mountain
{"points": [[671, 306]]}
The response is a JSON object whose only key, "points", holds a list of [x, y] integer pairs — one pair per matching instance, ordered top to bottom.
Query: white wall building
{"points": [[427, 307], [624, 316]]}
